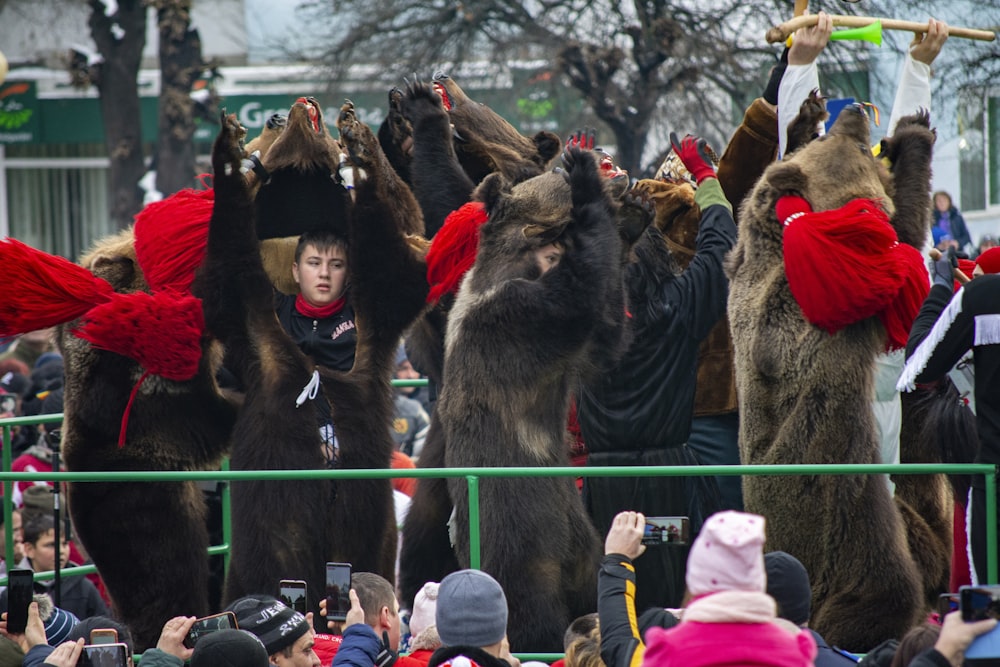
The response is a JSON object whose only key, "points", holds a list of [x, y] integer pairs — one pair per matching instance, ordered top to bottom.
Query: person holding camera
{"points": [[372, 628], [287, 635]]}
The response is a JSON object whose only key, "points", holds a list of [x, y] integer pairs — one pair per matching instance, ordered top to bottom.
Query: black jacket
{"points": [[946, 328], [329, 342], [647, 400], [621, 643]]}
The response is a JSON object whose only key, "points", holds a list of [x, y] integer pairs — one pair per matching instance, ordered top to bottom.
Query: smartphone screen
{"points": [[666, 530], [20, 586], [338, 590], [293, 593], [979, 602], [203, 626], [103, 636], [104, 655]]}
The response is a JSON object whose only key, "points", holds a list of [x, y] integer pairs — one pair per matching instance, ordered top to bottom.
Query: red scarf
{"points": [[847, 264], [319, 312]]}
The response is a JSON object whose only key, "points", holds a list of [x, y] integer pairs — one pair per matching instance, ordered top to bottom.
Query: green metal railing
{"points": [[473, 475]]}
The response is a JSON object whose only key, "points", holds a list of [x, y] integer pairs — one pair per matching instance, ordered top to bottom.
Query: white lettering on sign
{"points": [[253, 115]]}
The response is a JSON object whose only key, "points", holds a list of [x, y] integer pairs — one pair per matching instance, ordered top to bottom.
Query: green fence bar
{"points": [[473, 521]]}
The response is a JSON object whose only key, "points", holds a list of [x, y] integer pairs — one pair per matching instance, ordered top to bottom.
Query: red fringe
{"points": [[171, 236], [453, 250], [846, 265], [43, 290], [898, 316], [161, 331], [123, 429]]}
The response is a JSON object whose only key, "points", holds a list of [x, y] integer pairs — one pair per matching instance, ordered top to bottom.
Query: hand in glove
{"points": [[693, 152], [943, 269]]}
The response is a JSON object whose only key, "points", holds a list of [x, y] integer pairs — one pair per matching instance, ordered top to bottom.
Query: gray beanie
{"points": [[471, 609]]}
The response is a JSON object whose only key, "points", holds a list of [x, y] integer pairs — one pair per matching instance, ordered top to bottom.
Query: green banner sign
{"points": [[18, 112]]}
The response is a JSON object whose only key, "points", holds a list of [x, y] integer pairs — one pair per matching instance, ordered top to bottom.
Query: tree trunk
{"points": [[120, 40], [180, 65]]}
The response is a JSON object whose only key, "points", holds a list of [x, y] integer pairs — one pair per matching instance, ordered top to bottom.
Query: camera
{"points": [[666, 530], [338, 591], [293, 593], [978, 603], [203, 626]]}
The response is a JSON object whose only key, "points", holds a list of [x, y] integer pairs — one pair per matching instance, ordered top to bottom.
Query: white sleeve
{"points": [[796, 84], [913, 92]]}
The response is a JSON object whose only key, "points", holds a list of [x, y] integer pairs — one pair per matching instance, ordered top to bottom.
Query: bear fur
{"points": [[485, 142], [441, 184], [517, 341], [805, 395], [314, 521], [147, 539]]}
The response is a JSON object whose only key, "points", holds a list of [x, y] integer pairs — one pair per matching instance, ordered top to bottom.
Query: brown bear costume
{"points": [[443, 140], [518, 339], [805, 393], [350, 521], [147, 539]]}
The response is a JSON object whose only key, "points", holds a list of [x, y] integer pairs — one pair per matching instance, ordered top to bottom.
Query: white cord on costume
{"points": [[309, 392]]}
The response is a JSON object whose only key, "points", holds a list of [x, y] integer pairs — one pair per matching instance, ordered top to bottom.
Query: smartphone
{"points": [[666, 530], [20, 587], [338, 590], [293, 593], [979, 602], [209, 624], [103, 636], [104, 655]]}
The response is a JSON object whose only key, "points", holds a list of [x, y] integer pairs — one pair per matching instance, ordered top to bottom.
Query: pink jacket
{"points": [[731, 628]]}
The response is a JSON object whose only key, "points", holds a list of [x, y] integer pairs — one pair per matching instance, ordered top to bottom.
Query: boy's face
{"points": [[321, 275], [43, 554]]}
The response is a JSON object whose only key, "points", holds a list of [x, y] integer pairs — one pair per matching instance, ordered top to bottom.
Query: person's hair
{"points": [[943, 194], [321, 239], [35, 525], [374, 592], [580, 627], [83, 628], [917, 640], [289, 650], [585, 651]]}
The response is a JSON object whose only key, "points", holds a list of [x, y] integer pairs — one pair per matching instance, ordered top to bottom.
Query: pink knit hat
{"points": [[728, 555], [424, 608]]}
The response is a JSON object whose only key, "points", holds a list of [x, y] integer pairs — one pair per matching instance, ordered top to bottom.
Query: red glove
{"points": [[583, 139], [693, 152]]}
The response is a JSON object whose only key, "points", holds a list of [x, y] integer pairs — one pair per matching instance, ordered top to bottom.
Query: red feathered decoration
{"points": [[170, 238], [453, 250], [847, 264], [43, 290], [901, 311], [161, 331]]}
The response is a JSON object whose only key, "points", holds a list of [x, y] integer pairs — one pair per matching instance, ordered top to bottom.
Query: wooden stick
{"points": [[801, 6], [780, 33], [959, 274]]}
